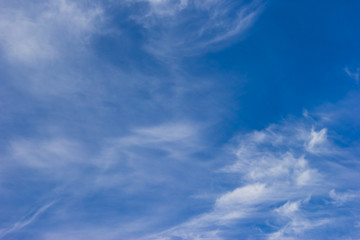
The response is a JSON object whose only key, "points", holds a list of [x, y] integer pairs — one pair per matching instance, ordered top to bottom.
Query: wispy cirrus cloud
{"points": [[207, 24], [40, 32], [41, 42], [353, 73], [316, 139], [126, 140], [45, 153], [59, 157], [141, 158], [132, 164], [282, 180], [281, 185], [341, 198], [25, 221]]}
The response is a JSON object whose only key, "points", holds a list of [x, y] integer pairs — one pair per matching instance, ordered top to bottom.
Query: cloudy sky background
{"points": [[179, 119]]}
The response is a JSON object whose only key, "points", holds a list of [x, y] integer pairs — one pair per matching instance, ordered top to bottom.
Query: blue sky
{"points": [[179, 119]]}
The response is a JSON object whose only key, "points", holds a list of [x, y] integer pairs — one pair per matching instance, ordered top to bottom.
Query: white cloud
{"points": [[165, 7], [215, 22], [39, 33], [354, 74], [166, 133], [174, 138], [317, 139], [46, 154], [142, 157], [129, 163], [274, 166], [276, 172], [305, 177], [250, 194], [342, 198], [288, 208], [298, 222], [296, 227]]}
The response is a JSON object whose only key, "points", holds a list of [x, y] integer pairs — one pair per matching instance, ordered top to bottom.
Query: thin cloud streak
{"points": [[220, 22], [354, 74], [25, 221]]}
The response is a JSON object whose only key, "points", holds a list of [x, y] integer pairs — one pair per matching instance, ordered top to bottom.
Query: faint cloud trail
{"points": [[26, 220]]}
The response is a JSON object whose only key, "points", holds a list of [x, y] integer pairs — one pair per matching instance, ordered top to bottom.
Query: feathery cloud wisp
{"points": [[208, 23], [34, 37], [279, 177], [27, 220]]}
